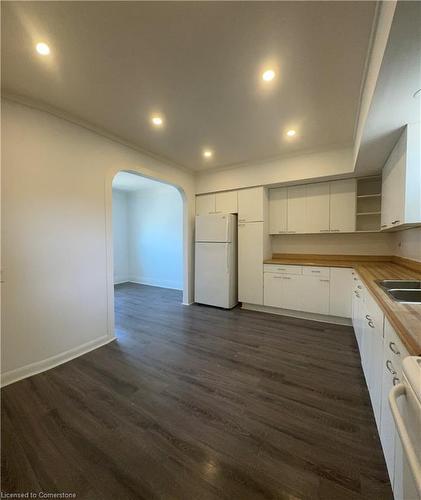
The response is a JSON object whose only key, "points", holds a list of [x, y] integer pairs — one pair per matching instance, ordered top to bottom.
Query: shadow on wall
{"points": [[147, 232]]}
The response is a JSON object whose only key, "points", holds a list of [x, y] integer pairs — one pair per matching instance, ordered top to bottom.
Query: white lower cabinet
{"points": [[308, 289], [282, 290], [340, 293], [315, 294], [382, 353], [393, 354]]}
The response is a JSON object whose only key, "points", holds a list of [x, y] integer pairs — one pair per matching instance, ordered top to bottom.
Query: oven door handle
{"points": [[395, 393]]}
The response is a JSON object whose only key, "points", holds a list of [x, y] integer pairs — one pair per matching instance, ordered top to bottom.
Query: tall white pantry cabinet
{"points": [[253, 244]]}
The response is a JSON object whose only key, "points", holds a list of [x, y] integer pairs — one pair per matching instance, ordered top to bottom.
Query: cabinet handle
{"points": [[395, 221], [384, 225], [324, 230], [335, 230], [282, 232], [291, 232], [280, 269], [315, 272], [277, 277], [286, 278], [355, 279], [324, 281], [359, 287], [367, 317], [371, 324], [392, 346], [389, 366], [395, 380]]}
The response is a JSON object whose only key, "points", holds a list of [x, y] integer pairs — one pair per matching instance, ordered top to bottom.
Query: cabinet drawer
{"points": [[279, 268], [323, 272]]}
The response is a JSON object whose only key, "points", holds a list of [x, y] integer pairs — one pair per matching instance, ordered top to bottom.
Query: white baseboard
{"points": [[152, 282], [335, 320], [48, 363]]}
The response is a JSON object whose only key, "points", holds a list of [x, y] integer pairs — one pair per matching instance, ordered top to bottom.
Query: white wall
{"points": [[288, 169], [120, 236], [155, 237], [408, 243], [57, 244], [350, 244]]}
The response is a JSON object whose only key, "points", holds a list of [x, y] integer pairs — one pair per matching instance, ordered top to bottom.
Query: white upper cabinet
{"points": [[401, 184], [226, 202], [217, 203], [278, 203], [205, 204], [251, 204], [342, 206], [322, 207], [317, 208], [296, 211]]}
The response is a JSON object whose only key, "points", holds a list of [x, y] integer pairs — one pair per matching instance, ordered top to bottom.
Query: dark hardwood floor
{"points": [[198, 403]]}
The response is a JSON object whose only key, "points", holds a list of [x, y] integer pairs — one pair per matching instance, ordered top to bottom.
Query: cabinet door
{"points": [[393, 184], [226, 202], [205, 204], [251, 204], [342, 206], [317, 207], [278, 210], [296, 210], [250, 262], [273, 290], [292, 292], [315, 294], [340, 295], [373, 330], [387, 424]]}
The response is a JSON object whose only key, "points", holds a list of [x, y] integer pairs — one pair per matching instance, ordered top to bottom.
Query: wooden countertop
{"points": [[405, 318]]}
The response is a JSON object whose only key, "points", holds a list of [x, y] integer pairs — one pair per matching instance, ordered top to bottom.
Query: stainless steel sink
{"points": [[399, 284], [406, 296]]}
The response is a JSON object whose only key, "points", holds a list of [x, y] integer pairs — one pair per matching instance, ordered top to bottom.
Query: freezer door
{"points": [[216, 228], [212, 274]]}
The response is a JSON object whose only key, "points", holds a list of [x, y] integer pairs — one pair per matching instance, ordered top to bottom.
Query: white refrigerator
{"points": [[216, 260]]}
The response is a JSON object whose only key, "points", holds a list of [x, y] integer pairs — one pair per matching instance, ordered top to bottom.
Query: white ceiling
{"points": [[112, 64], [393, 104], [125, 181]]}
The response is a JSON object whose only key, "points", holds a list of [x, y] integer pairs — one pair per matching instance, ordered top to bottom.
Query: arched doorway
{"points": [[158, 224]]}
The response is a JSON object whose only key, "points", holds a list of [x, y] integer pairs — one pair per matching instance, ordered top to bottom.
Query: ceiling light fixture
{"points": [[42, 48], [268, 75], [157, 120], [291, 133], [207, 153]]}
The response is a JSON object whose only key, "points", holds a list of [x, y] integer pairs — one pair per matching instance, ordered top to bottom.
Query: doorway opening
{"points": [[147, 229]]}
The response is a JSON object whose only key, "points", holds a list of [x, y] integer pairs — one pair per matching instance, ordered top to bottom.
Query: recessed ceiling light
{"points": [[42, 48], [268, 75], [157, 120], [291, 133], [207, 153]]}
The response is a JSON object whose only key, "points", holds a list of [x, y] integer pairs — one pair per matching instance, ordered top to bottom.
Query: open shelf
{"points": [[369, 201]]}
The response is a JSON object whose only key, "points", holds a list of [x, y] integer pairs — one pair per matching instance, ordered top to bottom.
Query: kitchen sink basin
{"points": [[399, 284], [406, 296]]}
